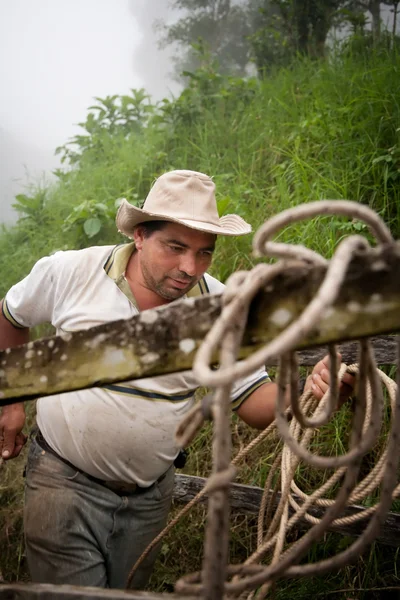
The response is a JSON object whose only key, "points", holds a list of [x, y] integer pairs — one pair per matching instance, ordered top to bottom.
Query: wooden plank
{"points": [[165, 340], [385, 350], [246, 498], [36, 591]]}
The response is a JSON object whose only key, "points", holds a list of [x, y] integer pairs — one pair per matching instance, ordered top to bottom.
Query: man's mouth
{"points": [[180, 284]]}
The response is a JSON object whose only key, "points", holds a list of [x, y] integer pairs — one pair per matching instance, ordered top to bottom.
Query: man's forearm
{"points": [[258, 410]]}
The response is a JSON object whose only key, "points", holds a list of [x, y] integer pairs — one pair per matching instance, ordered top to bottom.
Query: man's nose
{"points": [[188, 265]]}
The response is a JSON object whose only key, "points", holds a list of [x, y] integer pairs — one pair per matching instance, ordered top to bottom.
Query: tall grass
{"points": [[316, 130]]}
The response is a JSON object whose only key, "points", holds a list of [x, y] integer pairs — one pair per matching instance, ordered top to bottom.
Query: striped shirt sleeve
{"points": [[243, 388]]}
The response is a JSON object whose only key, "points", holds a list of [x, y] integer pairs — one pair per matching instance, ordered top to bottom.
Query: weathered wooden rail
{"points": [[166, 340], [247, 499], [20, 591]]}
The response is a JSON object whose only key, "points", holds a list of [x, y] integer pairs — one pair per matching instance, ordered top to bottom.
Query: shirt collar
{"points": [[118, 259]]}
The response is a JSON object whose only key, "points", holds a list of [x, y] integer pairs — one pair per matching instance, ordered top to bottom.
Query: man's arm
{"points": [[258, 410], [12, 417]]}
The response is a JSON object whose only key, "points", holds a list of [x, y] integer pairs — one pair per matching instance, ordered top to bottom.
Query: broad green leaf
{"points": [[100, 206], [92, 226]]}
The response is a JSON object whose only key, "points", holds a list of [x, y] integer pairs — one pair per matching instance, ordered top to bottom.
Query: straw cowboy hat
{"points": [[184, 197]]}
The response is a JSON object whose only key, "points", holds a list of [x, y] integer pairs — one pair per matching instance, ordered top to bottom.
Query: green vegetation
{"points": [[315, 130], [312, 131]]}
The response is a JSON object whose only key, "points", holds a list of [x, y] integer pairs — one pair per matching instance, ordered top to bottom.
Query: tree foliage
{"points": [[373, 7], [222, 26], [287, 28], [270, 33]]}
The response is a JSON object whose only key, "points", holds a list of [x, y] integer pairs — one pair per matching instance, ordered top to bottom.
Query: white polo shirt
{"points": [[123, 431]]}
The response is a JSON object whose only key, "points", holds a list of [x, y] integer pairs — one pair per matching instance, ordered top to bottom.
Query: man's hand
{"points": [[319, 381], [258, 410], [12, 417], [12, 439]]}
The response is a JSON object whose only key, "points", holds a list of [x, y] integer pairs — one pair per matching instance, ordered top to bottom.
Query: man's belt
{"points": [[119, 487]]}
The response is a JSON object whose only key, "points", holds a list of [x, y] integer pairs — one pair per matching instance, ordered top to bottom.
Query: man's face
{"points": [[173, 259]]}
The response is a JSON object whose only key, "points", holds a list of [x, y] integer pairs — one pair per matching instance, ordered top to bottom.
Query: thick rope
{"points": [[364, 431], [265, 541], [215, 580]]}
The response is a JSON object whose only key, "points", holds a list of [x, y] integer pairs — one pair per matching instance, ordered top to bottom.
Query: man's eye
{"points": [[175, 248]]}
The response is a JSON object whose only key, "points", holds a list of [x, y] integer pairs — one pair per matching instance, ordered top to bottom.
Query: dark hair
{"points": [[149, 227]]}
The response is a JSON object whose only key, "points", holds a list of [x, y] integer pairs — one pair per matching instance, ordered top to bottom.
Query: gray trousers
{"points": [[79, 532]]}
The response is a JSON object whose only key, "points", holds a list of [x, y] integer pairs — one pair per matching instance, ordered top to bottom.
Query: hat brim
{"points": [[128, 216]]}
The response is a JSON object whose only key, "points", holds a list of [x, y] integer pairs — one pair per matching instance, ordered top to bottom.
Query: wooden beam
{"points": [[165, 340], [385, 351], [247, 498], [36, 591]]}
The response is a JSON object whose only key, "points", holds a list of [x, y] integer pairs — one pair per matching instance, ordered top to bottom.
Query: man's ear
{"points": [[138, 237]]}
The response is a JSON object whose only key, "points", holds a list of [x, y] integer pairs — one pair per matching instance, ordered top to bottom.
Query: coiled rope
{"points": [[218, 579]]}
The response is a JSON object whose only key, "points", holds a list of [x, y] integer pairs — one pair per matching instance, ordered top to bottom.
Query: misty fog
{"points": [[56, 57]]}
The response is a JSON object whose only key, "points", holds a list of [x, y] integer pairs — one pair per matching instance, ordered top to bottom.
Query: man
{"points": [[99, 476]]}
